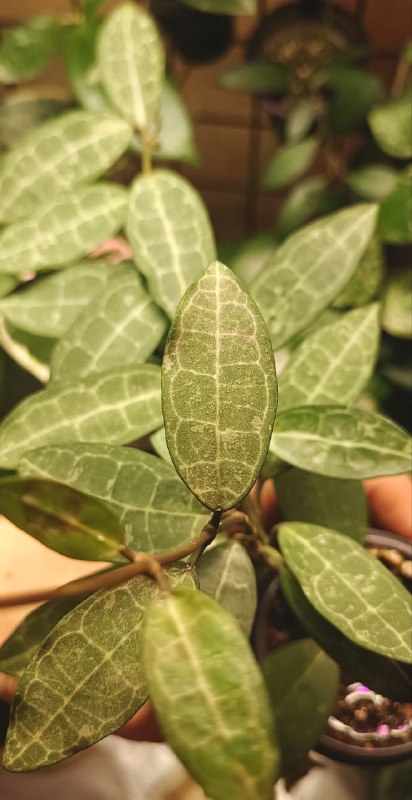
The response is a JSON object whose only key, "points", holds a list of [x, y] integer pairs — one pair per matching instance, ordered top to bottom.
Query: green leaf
{"points": [[236, 7], [27, 49], [80, 61], [131, 63], [256, 78], [355, 91], [21, 110], [300, 119], [391, 125], [175, 139], [75, 148], [289, 163], [373, 181], [309, 197], [395, 213], [66, 229], [169, 229], [250, 257], [367, 279], [7, 284], [292, 288], [397, 305], [48, 307], [120, 326], [32, 353], [332, 365], [219, 389], [116, 407], [341, 442], [159, 444], [152, 504], [337, 504], [63, 519], [226, 573], [350, 587], [383, 675], [86, 679], [302, 682], [210, 696]]}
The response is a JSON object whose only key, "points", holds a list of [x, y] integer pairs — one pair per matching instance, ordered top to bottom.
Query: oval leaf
{"points": [[237, 7], [27, 49], [131, 64], [256, 78], [24, 108], [391, 125], [175, 140], [74, 148], [289, 163], [373, 181], [308, 198], [395, 213], [68, 228], [170, 233], [366, 281], [291, 289], [397, 305], [48, 307], [121, 325], [32, 353], [333, 364], [219, 389], [115, 407], [341, 443], [149, 499], [337, 504], [63, 519], [226, 573], [350, 587], [383, 675], [86, 679], [302, 682], [209, 696]]}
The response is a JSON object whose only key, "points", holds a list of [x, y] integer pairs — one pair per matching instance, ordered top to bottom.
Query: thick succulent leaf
{"points": [[237, 7], [27, 49], [131, 64], [256, 78], [24, 108], [300, 119], [391, 125], [75, 148], [289, 163], [373, 181], [308, 198], [395, 213], [66, 229], [171, 236], [250, 257], [367, 279], [292, 287], [397, 305], [48, 307], [121, 326], [32, 353], [332, 365], [219, 389], [116, 407], [341, 442], [159, 444], [337, 504], [153, 505], [63, 519], [226, 573], [350, 587], [383, 675], [86, 678], [302, 682], [210, 696]]}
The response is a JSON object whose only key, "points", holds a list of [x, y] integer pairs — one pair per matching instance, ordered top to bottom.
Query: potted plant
{"points": [[184, 541]]}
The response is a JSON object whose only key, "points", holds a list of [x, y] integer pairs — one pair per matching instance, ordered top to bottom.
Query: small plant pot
{"points": [[329, 746]]}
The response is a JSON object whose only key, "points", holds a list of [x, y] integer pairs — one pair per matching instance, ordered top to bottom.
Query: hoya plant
{"points": [[149, 443]]}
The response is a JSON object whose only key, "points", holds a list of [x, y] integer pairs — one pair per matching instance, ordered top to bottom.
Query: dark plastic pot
{"points": [[328, 745]]}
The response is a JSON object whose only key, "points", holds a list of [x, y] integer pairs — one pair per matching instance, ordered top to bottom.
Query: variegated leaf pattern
{"points": [[131, 64], [75, 148], [66, 229], [171, 236], [309, 270], [367, 279], [48, 307], [120, 326], [31, 352], [334, 364], [219, 389], [116, 407], [155, 508], [226, 573], [87, 677], [210, 696]]}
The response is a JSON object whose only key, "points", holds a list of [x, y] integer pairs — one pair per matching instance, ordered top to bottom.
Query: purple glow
{"points": [[362, 688], [383, 729]]}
